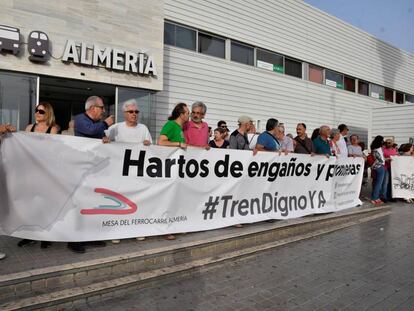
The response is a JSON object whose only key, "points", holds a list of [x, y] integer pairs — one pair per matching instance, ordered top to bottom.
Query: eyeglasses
{"points": [[102, 107], [40, 111], [132, 111], [196, 112]]}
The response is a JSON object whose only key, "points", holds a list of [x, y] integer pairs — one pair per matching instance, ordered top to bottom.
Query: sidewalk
{"points": [[33, 257]]}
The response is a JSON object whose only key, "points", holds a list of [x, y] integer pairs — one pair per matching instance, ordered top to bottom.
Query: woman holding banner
{"points": [[45, 120], [45, 123], [172, 134], [380, 177]]}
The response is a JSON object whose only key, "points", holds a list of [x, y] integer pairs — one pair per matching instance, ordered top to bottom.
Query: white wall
{"points": [[290, 27], [296, 29], [230, 89], [394, 120]]}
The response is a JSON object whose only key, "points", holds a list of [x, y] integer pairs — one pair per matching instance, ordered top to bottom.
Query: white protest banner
{"points": [[402, 177], [62, 188]]}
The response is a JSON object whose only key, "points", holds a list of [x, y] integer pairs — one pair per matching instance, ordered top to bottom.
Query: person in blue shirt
{"points": [[90, 124], [268, 141], [321, 142]]}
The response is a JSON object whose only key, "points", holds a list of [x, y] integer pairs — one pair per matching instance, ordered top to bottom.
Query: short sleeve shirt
{"points": [[173, 131], [120, 132], [196, 136], [268, 141], [321, 146]]}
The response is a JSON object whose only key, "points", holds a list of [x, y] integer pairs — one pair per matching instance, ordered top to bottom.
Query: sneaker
{"points": [[141, 238], [116, 241], [25, 242], [76, 247], [2, 255]]}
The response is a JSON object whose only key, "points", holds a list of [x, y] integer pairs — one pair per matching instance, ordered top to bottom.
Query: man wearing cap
{"points": [[238, 139], [342, 143]]}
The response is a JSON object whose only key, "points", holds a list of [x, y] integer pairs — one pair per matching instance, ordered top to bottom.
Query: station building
{"points": [[282, 59]]}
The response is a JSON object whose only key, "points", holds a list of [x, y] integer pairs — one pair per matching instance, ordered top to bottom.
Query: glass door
{"points": [[18, 98], [143, 98]]}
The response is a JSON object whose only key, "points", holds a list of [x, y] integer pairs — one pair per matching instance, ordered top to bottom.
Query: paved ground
{"points": [[32, 257], [364, 267]]}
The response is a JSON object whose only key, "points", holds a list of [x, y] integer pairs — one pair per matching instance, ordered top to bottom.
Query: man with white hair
{"points": [[89, 124], [129, 131], [286, 143]]}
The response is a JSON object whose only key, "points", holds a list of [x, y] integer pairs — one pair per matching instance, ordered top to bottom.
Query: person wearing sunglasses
{"points": [[44, 120], [44, 123], [90, 123], [129, 131]]}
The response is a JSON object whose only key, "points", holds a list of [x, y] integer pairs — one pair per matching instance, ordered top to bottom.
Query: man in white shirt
{"points": [[129, 131], [342, 143]]}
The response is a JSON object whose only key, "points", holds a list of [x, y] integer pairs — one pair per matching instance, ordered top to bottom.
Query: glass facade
{"points": [[210, 45], [242, 53], [270, 61], [18, 97], [143, 98]]}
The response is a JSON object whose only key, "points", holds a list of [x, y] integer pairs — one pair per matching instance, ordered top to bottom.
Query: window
{"points": [[169, 34], [179, 36], [211, 45], [242, 53], [270, 61], [293, 68], [315, 74], [334, 79], [349, 84], [363, 88], [377, 91], [389, 95], [399, 98], [17, 99], [409, 99]]}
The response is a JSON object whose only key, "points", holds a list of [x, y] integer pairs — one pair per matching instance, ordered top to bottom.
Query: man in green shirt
{"points": [[172, 132]]}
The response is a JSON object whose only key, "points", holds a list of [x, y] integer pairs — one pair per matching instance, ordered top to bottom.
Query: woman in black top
{"points": [[45, 120], [45, 123], [219, 141]]}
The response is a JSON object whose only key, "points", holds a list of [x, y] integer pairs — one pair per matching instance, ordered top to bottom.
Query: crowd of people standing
{"points": [[186, 127]]}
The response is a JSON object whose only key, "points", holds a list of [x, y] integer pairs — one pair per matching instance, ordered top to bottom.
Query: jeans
{"points": [[379, 188]]}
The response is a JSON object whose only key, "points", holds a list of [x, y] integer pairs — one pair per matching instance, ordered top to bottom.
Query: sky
{"points": [[389, 20]]}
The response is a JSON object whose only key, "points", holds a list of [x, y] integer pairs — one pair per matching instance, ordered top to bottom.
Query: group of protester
{"points": [[187, 128]]}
